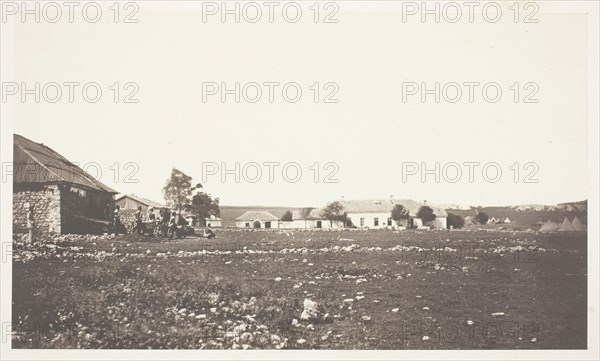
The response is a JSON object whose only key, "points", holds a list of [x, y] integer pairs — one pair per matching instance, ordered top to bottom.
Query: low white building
{"points": [[377, 213], [257, 219], [305, 219], [214, 222]]}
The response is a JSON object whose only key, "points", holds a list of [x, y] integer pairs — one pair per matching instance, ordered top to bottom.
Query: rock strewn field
{"points": [[304, 289]]}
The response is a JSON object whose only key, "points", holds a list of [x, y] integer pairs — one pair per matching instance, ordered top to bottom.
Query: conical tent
{"points": [[507, 220], [577, 224], [566, 226], [549, 227]]}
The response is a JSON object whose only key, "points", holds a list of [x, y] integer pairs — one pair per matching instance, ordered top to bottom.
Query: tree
{"points": [[178, 190], [203, 205], [334, 212], [399, 213], [426, 214], [287, 216], [482, 218], [455, 221]]}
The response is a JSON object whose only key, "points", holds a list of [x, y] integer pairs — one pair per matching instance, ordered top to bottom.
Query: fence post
{"points": [[30, 223]]}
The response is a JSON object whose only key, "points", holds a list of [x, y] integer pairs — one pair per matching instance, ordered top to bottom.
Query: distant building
{"points": [[65, 198], [131, 201], [377, 214], [256, 219], [312, 219], [214, 222]]}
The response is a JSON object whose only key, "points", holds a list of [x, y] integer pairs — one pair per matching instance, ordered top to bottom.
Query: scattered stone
{"points": [[310, 310], [395, 310], [498, 314], [366, 318], [239, 329], [425, 338]]}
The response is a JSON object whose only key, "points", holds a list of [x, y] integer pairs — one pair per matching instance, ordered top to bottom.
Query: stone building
{"points": [[65, 198]]}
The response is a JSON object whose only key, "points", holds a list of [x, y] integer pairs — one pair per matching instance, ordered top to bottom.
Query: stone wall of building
{"points": [[46, 202]]}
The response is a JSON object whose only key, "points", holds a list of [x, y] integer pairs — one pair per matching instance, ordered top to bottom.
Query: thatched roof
{"points": [[37, 163], [145, 201], [315, 214], [257, 215]]}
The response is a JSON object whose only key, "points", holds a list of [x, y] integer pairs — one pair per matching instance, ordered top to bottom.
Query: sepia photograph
{"points": [[186, 180]]}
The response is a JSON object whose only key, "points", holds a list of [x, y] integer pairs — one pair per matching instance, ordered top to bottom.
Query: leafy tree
{"points": [[178, 190], [203, 205], [334, 212], [399, 213], [426, 214], [287, 216], [482, 218], [455, 221]]}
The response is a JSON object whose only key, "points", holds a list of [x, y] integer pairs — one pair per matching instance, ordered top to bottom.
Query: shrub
{"points": [[455, 221]]}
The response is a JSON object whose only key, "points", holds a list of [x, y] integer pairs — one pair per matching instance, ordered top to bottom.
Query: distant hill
{"points": [[580, 206]]}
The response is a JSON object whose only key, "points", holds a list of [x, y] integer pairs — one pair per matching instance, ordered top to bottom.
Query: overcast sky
{"points": [[368, 134]]}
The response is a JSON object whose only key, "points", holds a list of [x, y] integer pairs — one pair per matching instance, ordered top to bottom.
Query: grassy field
{"points": [[247, 289]]}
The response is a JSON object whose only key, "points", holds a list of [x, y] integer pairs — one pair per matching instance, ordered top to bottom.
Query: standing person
{"points": [[151, 215], [116, 220], [138, 220], [164, 221], [173, 225]]}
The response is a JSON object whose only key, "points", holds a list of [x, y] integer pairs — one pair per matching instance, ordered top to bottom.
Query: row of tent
{"points": [[495, 220], [575, 225]]}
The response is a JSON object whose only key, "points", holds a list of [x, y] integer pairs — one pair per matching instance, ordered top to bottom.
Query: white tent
{"points": [[492, 220], [506, 220], [577, 224], [566, 226], [549, 227]]}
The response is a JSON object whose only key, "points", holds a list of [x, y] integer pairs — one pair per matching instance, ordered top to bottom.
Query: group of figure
{"points": [[168, 223]]}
